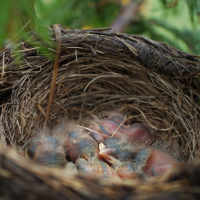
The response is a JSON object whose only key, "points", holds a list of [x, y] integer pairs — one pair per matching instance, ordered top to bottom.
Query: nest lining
{"points": [[99, 71]]}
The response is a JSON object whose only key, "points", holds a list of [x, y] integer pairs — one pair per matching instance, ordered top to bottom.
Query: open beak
{"points": [[105, 153]]}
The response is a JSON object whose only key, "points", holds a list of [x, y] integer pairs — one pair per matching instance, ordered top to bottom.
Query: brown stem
{"points": [[55, 69]]}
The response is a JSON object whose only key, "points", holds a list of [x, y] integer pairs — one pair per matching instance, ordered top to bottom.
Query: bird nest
{"points": [[96, 71]]}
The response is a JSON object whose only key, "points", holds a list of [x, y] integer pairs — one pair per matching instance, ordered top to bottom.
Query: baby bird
{"points": [[114, 126], [99, 138], [81, 145], [46, 150], [83, 151], [115, 151], [141, 159], [159, 161], [127, 163], [85, 168], [96, 168], [133, 168]]}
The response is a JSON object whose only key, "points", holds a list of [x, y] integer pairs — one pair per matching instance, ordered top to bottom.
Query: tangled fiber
{"points": [[96, 71]]}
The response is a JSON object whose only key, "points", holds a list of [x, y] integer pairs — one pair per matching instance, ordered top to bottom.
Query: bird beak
{"points": [[101, 146], [105, 153]]}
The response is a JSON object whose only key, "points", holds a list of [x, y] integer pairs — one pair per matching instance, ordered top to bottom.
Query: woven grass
{"points": [[97, 71]]}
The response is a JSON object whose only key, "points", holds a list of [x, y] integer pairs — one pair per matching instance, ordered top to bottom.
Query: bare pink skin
{"points": [[108, 128], [105, 129], [139, 131], [99, 138], [147, 161], [159, 162], [105, 170], [126, 170], [125, 174]]}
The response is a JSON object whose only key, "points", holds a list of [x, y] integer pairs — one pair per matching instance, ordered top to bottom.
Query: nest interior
{"points": [[99, 71]]}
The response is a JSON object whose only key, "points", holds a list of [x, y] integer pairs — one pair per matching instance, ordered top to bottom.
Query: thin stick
{"points": [[58, 37]]}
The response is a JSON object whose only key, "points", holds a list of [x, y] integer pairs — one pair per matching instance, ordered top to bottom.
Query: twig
{"points": [[55, 69]]}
